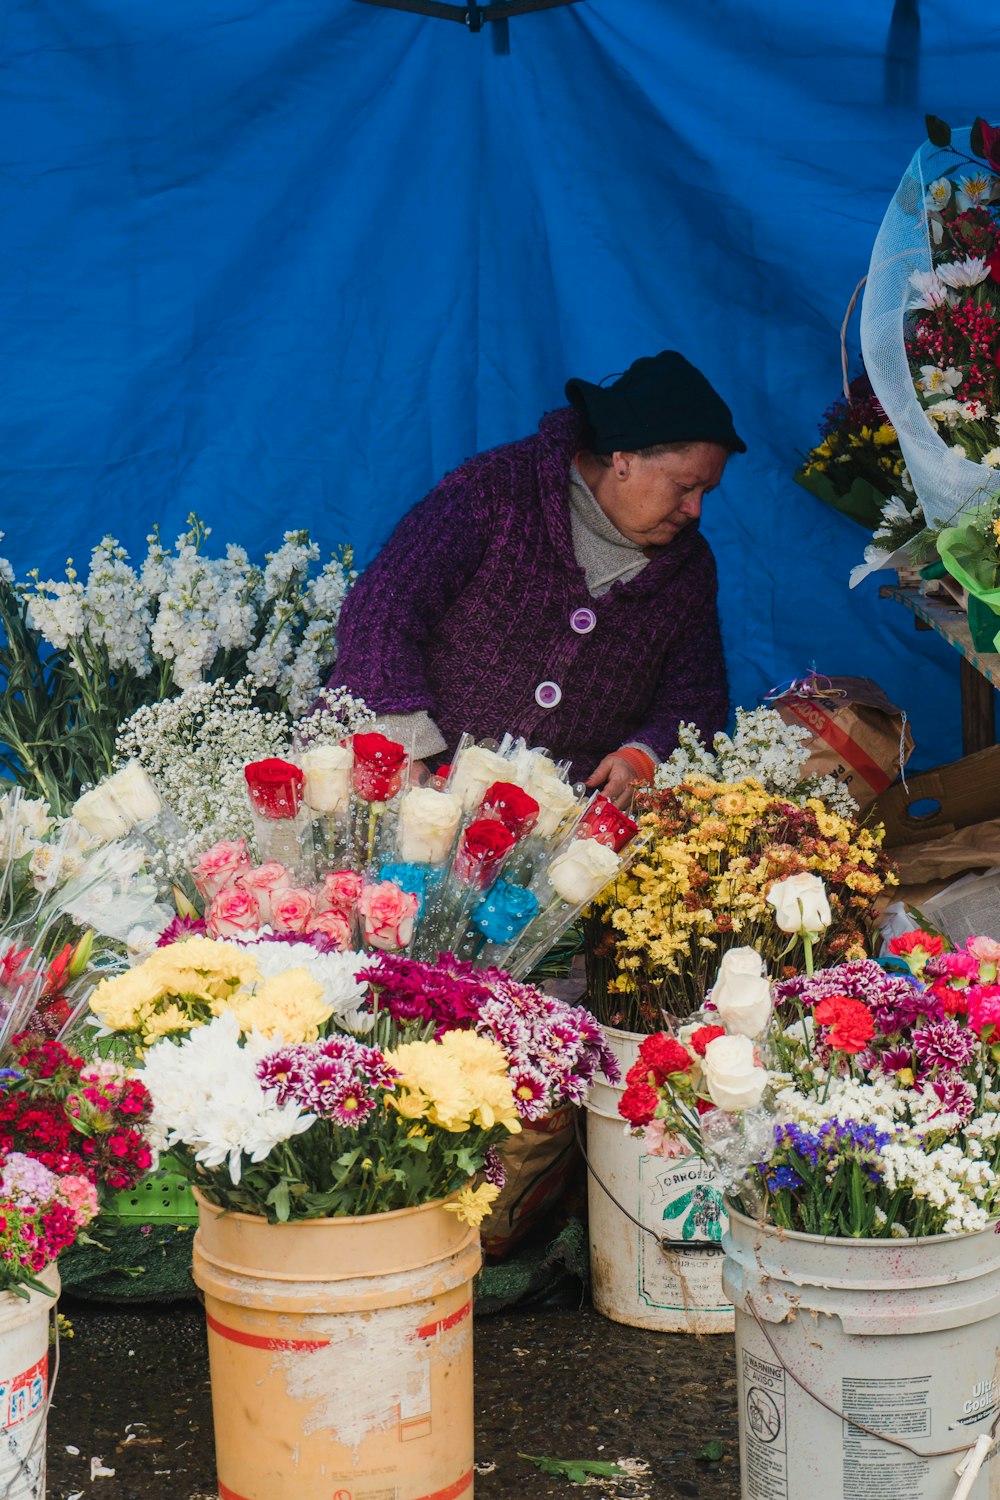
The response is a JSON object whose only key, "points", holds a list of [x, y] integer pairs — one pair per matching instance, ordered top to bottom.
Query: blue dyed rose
{"points": [[504, 912]]}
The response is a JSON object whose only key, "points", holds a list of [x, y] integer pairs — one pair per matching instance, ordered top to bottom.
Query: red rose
{"points": [[378, 767], [275, 787], [515, 809], [603, 821], [481, 850], [851, 1024], [700, 1039], [638, 1104]]}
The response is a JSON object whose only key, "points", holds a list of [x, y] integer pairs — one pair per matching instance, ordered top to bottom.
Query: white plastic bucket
{"points": [[633, 1280], [902, 1336], [24, 1389]]}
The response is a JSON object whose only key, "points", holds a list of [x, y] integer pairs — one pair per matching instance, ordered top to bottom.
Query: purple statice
{"points": [[180, 928], [446, 994], [896, 1001], [944, 1045], [336, 1078], [834, 1143], [493, 1168], [779, 1177]]}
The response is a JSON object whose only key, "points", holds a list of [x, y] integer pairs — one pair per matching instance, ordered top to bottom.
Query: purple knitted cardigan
{"points": [[466, 610]]}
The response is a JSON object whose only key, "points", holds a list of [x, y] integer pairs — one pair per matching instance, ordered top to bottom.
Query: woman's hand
{"points": [[616, 777]]}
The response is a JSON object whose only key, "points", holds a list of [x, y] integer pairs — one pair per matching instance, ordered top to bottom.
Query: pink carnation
{"points": [[985, 949], [984, 1006]]}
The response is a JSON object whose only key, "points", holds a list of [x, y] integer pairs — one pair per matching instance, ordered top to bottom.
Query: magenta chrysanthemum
{"points": [[944, 1044]]}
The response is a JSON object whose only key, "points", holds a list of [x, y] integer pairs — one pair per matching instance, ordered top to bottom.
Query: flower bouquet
{"points": [[857, 466], [82, 656], [701, 887]]}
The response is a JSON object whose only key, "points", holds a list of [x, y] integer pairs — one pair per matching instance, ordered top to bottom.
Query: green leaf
{"points": [[938, 133], [278, 1199], [713, 1450], [576, 1470]]}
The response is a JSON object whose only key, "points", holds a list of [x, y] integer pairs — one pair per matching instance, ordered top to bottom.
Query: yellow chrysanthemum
{"points": [[291, 1005], [474, 1204]]}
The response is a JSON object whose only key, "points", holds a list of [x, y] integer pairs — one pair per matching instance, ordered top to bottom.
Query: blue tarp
{"points": [[283, 262]]}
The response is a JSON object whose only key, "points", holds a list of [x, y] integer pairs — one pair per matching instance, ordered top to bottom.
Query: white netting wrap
{"points": [[945, 482]]}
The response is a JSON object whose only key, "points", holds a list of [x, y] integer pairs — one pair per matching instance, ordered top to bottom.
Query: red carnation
{"points": [[379, 764], [275, 787], [515, 809], [603, 821], [481, 851], [911, 942], [851, 1024], [700, 1039], [664, 1055], [638, 1104]]}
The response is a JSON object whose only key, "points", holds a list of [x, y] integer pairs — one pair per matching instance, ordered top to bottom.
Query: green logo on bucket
{"points": [[702, 1207]]}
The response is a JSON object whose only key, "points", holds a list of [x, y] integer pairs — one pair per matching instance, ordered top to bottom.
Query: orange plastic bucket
{"points": [[341, 1354]]}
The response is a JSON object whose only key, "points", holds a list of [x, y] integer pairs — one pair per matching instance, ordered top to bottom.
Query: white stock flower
{"points": [[800, 904], [742, 993]]}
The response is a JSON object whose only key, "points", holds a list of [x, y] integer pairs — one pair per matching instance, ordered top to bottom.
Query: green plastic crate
{"points": [[161, 1197]]}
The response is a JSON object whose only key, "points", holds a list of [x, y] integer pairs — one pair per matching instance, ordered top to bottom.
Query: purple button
{"points": [[582, 621], [548, 694]]}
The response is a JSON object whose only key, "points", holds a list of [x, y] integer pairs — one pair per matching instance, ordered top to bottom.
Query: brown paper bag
{"points": [[857, 734], [538, 1162]]}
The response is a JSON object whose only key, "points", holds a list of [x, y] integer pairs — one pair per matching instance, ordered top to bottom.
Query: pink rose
{"points": [[220, 866], [265, 881], [340, 892], [291, 909], [232, 912], [388, 915], [333, 925]]}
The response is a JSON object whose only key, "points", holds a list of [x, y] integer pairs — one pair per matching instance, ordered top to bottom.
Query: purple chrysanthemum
{"points": [[944, 1044], [956, 1097], [493, 1169]]}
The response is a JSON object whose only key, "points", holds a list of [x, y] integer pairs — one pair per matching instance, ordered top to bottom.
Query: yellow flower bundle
{"points": [[656, 936], [186, 983]]}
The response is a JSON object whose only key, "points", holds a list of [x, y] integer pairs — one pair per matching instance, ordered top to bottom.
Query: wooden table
{"points": [[979, 671]]}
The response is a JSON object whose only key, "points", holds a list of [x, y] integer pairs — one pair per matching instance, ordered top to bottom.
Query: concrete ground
{"points": [[133, 1393]]}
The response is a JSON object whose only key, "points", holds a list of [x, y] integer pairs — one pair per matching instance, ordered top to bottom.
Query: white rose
{"points": [[327, 770], [474, 773], [134, 793], [555, 799], [100, 815], [428, 822], [583, 870], [800, 904], [742, 992], [732, 1077]]}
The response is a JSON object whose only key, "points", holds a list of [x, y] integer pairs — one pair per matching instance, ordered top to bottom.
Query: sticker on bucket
{"points": [[682, 1202], [899, 1406], [22, 1409], [765, 1417]]}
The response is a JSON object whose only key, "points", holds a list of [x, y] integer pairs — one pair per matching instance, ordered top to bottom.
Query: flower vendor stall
{"points": [[723, 825], [851, 1114]]}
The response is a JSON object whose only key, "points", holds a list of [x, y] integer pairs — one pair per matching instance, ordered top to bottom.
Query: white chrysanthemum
{"points": [[964, 273], [929, 291], [336, 972], [206, 1096]]}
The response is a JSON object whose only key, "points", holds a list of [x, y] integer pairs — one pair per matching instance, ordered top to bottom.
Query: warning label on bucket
{"points": [[900, 1407], [764, 1423]]}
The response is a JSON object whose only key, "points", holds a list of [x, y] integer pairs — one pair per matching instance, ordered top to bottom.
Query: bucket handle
{"points": [[667, 1245], [977, 1449], [22, 1471]]}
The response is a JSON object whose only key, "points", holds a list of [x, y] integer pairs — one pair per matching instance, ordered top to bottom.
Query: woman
{"points": [[558, 587]]}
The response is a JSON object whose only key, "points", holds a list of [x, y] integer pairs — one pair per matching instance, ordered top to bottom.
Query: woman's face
{"points": [[651, 500]]}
